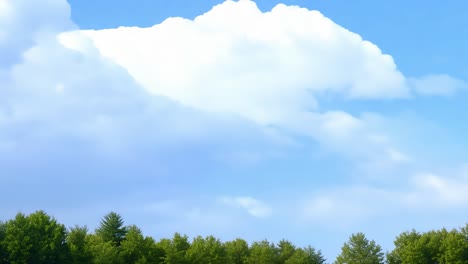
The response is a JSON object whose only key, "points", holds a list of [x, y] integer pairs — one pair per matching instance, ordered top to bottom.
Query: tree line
{"points": [[38, 238]]}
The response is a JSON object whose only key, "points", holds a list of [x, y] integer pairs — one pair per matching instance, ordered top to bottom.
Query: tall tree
{"points": [[112, 229], [35, 239], [438, 246], [133, 247], [411, 247], [454, 248], [79, 249], [137, 249], [175, 249], [207, 250], [286, 250], [359, 250], [237, 251], [103, 252], [263, 252], [3, 253], [153, 254], [306, 255], [315, 256]]}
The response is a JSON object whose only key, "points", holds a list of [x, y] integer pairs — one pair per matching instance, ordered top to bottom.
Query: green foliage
{"points": [[112, 229], [36, 238], [134, 246], [440, 247], [454, 248], [139, 249], [406, 249], [79, 250], [175, 250], [207, 250], [286, 250], [359, 250], [237, 251], [103, 252], [263, 252], [3, 253], [154, 253], [306, 255], [315, 256]]}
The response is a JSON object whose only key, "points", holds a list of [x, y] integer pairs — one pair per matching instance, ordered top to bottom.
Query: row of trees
{"points": [[39, 238]]}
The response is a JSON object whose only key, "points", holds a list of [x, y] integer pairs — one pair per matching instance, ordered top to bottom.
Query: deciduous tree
{"points": [[35, 239], [79, 249], [139, 249], [175, 249], [207, 250], [359, 250], [237, 251], [104, 252], [263, 252], [3, 255]]}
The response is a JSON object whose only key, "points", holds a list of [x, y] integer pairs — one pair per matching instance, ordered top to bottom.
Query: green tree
{"points": [[112, 229], [35, 239], [431, 243], [440, 247], [133, 248], [410, 248], [454, 248], [79, 249], [139, 249], [175, 249], [406, 249], [207, 250], [286, 250], [359, 250], [237, 251], [103, 252], [263, 252], [3, 253], [154, 254], [306, 255]]}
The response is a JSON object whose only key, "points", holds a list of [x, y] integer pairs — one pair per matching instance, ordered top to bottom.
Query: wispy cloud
{"points": [[440, 84], [422, 192], [253, 206]]}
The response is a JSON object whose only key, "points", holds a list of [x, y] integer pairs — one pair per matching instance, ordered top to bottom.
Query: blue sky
{"points": [[238, 119]]}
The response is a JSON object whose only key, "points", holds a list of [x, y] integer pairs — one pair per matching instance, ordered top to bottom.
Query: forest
{"points": [[38, 238]]}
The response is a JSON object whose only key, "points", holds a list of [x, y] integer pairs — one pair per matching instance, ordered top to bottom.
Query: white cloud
{"points": [[5, 10], [24, 22], [263, 66], [267, 67], [268, 73], [248, 80], [440, 84], [53, 93], [398, 156], [433, 190], [424, 192], [353, 203], [253, 206]]}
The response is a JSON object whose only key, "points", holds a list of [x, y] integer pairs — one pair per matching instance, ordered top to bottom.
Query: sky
{"points": [[304, 120]]}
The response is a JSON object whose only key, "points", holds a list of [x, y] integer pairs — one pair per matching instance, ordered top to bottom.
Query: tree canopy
{"points": [[112, 229], [38, 238], [359, 250]]}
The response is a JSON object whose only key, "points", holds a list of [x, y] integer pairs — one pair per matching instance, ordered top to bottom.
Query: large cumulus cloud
{"points": [[264, 66], [100, 115]]}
